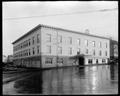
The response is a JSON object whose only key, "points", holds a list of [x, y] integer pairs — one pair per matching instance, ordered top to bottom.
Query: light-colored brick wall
{"points": [[33, 34], [74, 45]]}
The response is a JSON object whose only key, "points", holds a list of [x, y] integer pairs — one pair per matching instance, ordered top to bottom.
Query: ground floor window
{"points": [[60, 60], [103, 60], [48, 61], [90, 61], [96, 61]]}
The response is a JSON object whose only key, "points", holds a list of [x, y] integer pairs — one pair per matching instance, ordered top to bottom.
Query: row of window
{"points": [[70, 41], [26, 43], [59, 50], [27, 52], [50, 60], [60, 60], [90, 61]]}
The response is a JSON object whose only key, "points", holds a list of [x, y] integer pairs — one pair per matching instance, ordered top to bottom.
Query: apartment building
{"points": [[45, 46]]}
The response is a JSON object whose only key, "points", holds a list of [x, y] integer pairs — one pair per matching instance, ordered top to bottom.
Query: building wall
{"points": [[65, 45], [74, 45], [113, 48], [43, 55], [4, 58], [10, 58], [29, 62]]}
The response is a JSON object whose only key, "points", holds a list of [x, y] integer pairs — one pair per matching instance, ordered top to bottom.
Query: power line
{"points": [[102, 10]]}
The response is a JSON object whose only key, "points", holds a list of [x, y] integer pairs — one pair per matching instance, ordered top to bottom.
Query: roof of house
{"points": [[47, 26]]}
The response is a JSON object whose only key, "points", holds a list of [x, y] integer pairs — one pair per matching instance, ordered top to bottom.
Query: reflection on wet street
{"points": [[102, 79]]}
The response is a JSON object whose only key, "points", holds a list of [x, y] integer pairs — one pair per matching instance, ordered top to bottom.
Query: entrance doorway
{"points": [[81, 60]]}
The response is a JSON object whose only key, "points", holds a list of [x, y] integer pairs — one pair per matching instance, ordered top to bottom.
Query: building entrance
{"points": [[81, 60]]}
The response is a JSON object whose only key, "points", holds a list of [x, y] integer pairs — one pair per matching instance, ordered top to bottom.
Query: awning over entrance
{"points": [[79, 55]]}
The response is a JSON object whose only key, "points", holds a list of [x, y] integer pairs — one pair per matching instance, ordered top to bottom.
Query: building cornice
{"points": [[47, 26]]}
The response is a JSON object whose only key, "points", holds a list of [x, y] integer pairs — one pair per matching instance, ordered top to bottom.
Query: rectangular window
{"points": [[48, 37], [38, 38], [59, 39], [33, 40], [70, 40], [78, 41], [29, 42], [86, 42], [25, 43], [93, 43], [21, 45], [100, 45], [106, 45], [18, 46], [38, 49], [48, 49], [59, 50], [78, 50], [29, 51], [33, 51], [70, 51], [86, 51], [26, 52], [93, 52], [22, 53], [100, 53], [105, 53], [60, 60], [48, 61], [90, 61], [96, 61], [103, 61]]}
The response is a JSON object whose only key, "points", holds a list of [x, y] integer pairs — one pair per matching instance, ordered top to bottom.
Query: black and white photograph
{"points": [[59, 47]]}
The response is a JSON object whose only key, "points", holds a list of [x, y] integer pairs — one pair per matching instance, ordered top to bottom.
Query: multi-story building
{"points": [[45, 46], [113, 49], [4, 58], [10, 58]]}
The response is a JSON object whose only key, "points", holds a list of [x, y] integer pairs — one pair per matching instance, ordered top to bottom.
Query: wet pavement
{"points": [[102, 79]]}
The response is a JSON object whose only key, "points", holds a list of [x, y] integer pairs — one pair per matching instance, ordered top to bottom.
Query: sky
{"points": [[101, 23]]}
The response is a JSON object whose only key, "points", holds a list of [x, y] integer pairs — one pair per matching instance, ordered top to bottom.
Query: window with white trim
{"points": [[48, 37], [59, 39], [78, 41], [86, 42], [93, 43], [48, 49], [59, 50], [70, 51]]}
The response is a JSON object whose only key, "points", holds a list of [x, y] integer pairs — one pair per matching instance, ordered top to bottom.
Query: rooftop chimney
{"points": [[87, 31]]}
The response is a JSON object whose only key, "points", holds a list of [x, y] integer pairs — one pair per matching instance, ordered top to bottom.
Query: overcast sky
{"points": [[99, 23]]}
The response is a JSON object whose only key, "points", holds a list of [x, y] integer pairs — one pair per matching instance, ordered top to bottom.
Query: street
{"points": [[102, 79]]}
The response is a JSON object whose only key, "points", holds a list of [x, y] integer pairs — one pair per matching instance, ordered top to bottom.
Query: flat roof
{"points": [[47, 26]]}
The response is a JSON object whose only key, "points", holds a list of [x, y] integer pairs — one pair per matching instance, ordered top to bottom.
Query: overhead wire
{"points": [[102, 10]]}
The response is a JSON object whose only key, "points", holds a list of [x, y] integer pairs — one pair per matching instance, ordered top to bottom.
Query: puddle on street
{"points": [[71, 80]]}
